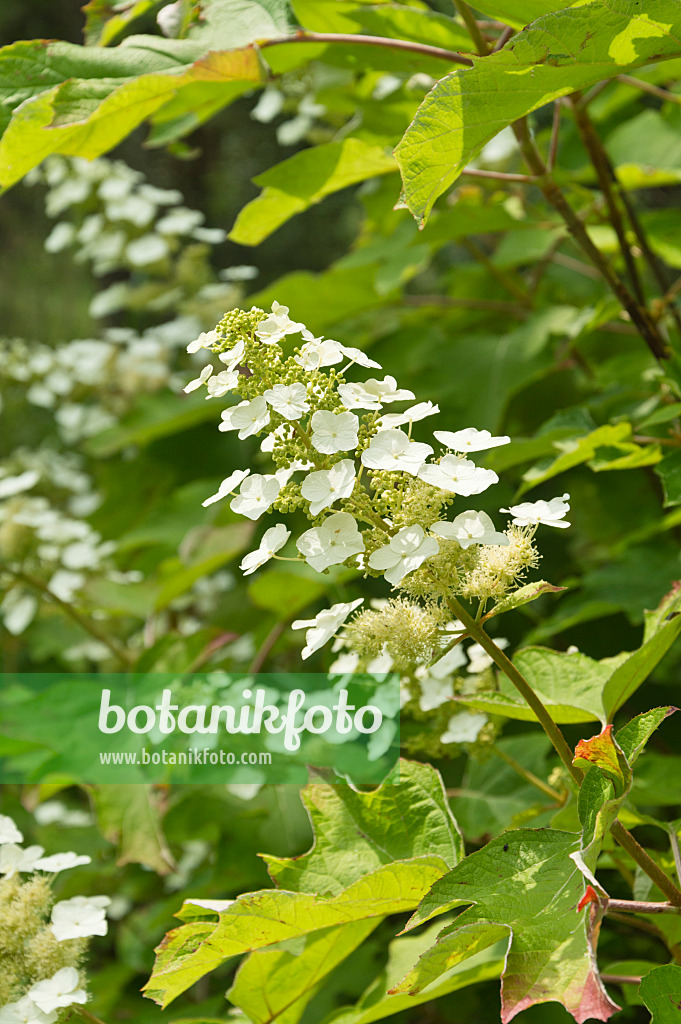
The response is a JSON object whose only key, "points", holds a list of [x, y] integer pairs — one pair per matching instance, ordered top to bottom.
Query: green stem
{"points": [[472, 26], [120, 652], [521, 684], [529, 776]]}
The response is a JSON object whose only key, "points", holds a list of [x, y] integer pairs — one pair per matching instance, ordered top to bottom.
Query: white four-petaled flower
{"points": [[276, 325], [205, 340], [318, 352], [200, 380], [220, 383], [372, 393], [289, 400], [411, 415], [246, 417], [334, 432], [469, 440], [392, 449], [458, 475], [229, 484], [325, 486], [255, 496], [532, 513], [470, 528], [272, 540], [331, 543], [407, 550], [325, 624], [464, 727], [9, 833], [15, 859], [62, 861], [79, 917], [59, 990], [25, 1011]]}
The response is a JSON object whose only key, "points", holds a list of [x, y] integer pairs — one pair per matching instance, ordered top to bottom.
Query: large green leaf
{"points": [[530, 10], [390, 20], [233, 23], [558, 54], [106, 93], [304, 179], [129, 817], [356, 833], [525, 887], [258, 920], [278, 983], [661, 992], [378, 1002]]}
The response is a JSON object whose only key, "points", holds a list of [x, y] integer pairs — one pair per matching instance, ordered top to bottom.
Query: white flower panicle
{"points": [[378, 500], [43, 942]]}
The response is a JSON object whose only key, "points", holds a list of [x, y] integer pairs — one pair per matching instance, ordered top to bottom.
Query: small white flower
{"points": [[169, 19], [275, 326], [205, 340], [318, 352], [233, 357], [361, 358], [200, 380], [220, 383], [372, 393], [289, 400], [412, 415], [246, 417], [334, 432], [282, 433], [469, 440], [392, 449], [458, 475], [11, 485], [228, 485], [325, 486], [255, 496], [532, 513], [470, 528], [272, 540], [331, 543], [406, 551], [65, 584], [323, 626], [479, 659], [346, 662], [448, 663], [435, 692], [464, 727], [9, 833], [15, 859], [62, 861], [79, 917], [59, 990], [25, 1011]]}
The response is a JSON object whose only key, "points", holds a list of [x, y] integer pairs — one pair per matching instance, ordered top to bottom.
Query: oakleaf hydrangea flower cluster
{"points": [[377, 499], [42, 942]]}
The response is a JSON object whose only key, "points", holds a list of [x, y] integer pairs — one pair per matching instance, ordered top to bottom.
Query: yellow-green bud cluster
{"points": [[29, 950]]}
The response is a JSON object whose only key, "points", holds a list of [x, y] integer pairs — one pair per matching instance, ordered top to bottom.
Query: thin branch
{"points": [[472, 27], [503, 39], [360, 40], [653, 90], [553, 145], [473, 172], [605, 174], [504, 279], [484, 305], [639, 316], [270, 640], [117, 649], [529, 776], [674, 843], [646, 862], [640, 907], [621, 979]]}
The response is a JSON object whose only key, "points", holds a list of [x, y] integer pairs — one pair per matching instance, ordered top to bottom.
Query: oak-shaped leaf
{"points": [[525, 887]]}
